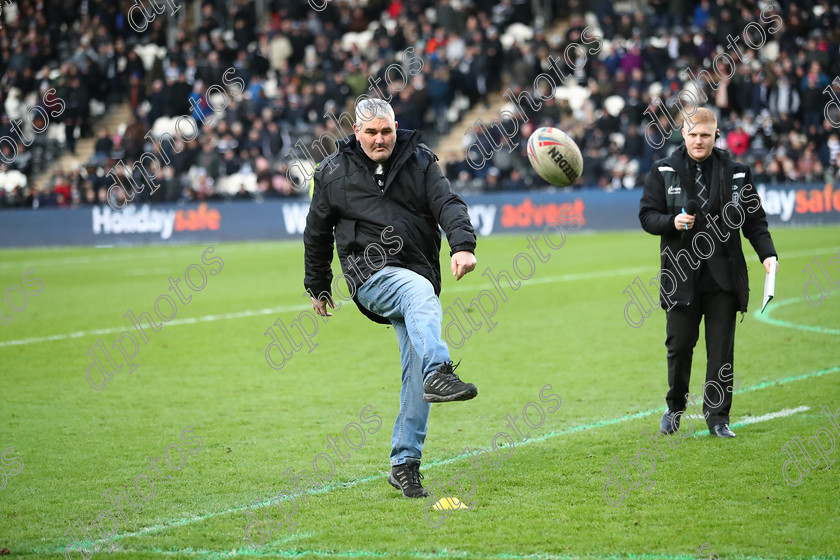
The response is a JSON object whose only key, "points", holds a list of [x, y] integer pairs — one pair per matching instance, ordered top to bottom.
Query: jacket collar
{"points": [[407, 141], [720, 169]]}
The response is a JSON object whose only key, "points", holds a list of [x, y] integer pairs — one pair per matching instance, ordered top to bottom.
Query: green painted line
{"points": [[771, 307], [786, 380], [339, 485], [249, 552]]}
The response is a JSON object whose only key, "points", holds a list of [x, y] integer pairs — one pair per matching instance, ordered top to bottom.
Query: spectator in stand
{"points": [[290, 91], [784, 100], [813, 106], [738, 141], [103, 147], [808, 165], [759, 173]]}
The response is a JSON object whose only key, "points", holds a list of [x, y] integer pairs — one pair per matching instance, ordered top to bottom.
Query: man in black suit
{"points": [[703, 272]]}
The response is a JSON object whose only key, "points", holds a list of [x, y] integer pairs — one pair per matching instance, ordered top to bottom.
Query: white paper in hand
{"points": [[769, 284]]}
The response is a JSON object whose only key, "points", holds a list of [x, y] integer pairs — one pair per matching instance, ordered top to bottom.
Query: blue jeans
{"points": [[408, 300]]}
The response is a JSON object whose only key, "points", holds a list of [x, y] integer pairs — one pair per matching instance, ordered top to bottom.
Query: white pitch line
{"points": [[171, 250], [809, 252], [109, 253], [79, 260], [609, 273], [552, 279], [461, 288], [267, 311], [188, 321], [773, 415], [755, 420]]}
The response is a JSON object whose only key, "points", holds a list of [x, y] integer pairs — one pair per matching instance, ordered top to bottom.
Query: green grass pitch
{"points": [[564, 327]]}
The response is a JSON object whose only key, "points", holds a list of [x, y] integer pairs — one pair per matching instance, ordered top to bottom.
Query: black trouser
{"points": [[682, 329]]}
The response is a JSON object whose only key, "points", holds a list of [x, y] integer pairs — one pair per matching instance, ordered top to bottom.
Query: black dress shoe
{"points": [[670, 422], [722, 430]]}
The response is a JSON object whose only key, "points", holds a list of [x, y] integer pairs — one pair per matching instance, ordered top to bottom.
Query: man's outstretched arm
{"points": [[451, 213]]}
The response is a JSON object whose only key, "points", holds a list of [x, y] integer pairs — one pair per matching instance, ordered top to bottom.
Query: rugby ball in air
{"points": [[555, 156]]}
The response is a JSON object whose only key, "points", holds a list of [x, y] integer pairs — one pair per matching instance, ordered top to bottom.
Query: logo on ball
{"points": [[555, 156]]}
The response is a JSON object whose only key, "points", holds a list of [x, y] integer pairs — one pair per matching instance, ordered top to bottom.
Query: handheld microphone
{"points": [[691, 208]]}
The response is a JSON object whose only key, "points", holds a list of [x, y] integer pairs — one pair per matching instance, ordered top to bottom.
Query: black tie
{"points": [[701, 188]]}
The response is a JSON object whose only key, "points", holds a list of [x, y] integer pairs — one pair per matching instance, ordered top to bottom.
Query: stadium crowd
{"points": [[45, 60], [299, 64], [770, 109]]}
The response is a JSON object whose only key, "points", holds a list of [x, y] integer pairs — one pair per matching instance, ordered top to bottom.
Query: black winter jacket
{"points": [[668, 188], [398, 224]]}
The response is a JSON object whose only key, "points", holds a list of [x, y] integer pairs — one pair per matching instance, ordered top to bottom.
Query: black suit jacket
{"points": [[668, 188]]}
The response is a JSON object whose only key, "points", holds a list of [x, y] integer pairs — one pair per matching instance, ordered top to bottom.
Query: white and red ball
{"points": [[555, 156]]}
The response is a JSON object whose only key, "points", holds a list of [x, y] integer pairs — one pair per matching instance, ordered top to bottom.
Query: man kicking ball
{"points": [[383, 185]]}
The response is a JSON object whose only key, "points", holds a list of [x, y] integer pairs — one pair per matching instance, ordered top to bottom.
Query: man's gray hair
{"points": [[369, 109]]}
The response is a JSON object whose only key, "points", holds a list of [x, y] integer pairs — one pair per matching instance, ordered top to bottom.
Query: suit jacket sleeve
{"points": [[449, 210], [653, 210], [755, 224], [318, 240]]}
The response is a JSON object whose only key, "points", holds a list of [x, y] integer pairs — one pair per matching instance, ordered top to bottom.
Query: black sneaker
{"points": [[444, 386], [406, 477]]}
